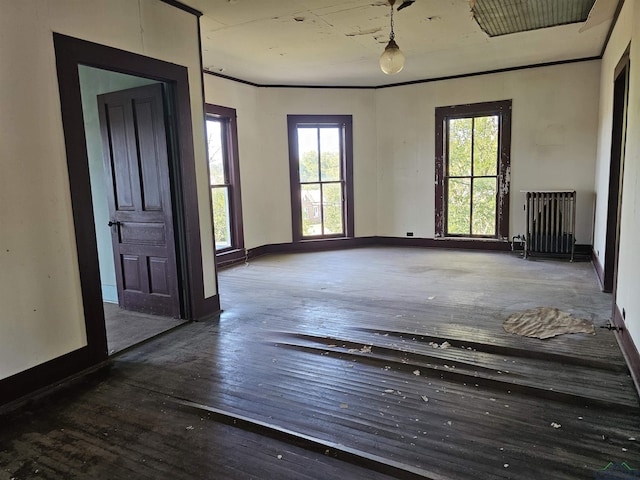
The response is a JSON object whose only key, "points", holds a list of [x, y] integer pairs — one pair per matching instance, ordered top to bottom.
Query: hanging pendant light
{"points": [[392, 59]]}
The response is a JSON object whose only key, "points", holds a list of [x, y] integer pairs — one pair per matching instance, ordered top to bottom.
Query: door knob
{"points": [[111, 224]]}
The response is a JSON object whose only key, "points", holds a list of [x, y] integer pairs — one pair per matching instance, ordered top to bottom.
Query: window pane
{"points": [[460, 133], [485, 146], [216, 153], [308, 154], [330, 154], [459, 206], [484, 206], [332, 207], [311, 212], [221, 225]]}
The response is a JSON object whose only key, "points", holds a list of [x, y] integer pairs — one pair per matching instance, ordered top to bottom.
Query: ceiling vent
{"points": [[502, 17]]}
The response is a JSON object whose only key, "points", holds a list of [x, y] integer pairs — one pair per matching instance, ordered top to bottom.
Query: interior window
{"points": [[320, 165], [472, 170], [224, 178]]}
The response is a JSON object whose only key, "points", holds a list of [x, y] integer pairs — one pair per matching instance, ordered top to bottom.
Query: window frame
{"points": [[501, 109], [345, 123], [229, 132]]}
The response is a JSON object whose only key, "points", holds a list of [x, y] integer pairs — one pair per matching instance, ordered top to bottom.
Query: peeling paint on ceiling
{"points": [[369, 31], [338, 42]]}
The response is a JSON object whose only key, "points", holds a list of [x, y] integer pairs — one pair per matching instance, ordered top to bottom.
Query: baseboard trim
{"points": [[355, 242], [460, 243], [311, 246], [225, 259], [597, 266], [628, 347], [25, 385]]}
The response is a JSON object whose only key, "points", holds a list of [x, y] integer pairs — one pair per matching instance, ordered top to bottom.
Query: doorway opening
{"points": [[71, 53], [616, 171], [130, 174]]}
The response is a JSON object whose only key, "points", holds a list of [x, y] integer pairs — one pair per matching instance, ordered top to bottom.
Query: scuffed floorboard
{"points": [[346, 349]]}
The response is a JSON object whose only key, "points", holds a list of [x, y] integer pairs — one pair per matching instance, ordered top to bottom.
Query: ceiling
{"points": [[338, 42]]}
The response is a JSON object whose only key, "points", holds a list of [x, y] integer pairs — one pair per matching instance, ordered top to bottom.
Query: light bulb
{"points": [[392, 59]]}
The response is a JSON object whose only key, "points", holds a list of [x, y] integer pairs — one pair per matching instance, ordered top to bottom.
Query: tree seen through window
{"points": [[472, 176], [321, 185]]}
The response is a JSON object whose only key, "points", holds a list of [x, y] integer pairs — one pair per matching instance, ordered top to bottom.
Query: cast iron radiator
{"points": [[551, 221]]}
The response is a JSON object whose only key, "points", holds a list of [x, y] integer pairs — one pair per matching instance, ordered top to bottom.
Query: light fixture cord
{"points": [[392, 35]]}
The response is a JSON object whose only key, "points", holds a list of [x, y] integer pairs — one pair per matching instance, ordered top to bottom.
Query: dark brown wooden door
{"points": [[137, 170]]}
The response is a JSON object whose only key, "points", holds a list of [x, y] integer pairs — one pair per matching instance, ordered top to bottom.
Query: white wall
{"points": [[620, 38], [554, 120], [554, 124], [264, 152], [253, 170], [628, 288], [40, 296], [627, 299]]}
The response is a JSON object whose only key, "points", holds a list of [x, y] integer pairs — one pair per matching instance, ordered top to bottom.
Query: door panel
{"points": [[118, 160], [137, 168], [151, 179], [142, 233], [158, 269], [131, 272]]}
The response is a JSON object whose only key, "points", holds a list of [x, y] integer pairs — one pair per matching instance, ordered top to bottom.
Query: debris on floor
{"points": [[546, 322], [364, 349], [555, 425]]}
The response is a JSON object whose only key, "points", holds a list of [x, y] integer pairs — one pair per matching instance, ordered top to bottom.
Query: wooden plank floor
{"points": [[338, 348]]}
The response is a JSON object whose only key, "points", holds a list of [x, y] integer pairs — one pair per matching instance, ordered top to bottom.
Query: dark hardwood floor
{"points": [[330, 365]]}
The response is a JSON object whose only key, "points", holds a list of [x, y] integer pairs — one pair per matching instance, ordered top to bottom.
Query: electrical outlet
{"points": [[409, 234]]}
